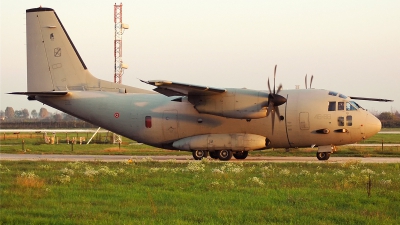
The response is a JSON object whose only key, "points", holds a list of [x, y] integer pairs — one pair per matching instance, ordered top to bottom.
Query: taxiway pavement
{"points": [[122, 158]]}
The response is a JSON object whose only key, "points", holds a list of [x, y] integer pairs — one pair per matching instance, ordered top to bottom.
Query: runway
{"points": [[122, 158]]}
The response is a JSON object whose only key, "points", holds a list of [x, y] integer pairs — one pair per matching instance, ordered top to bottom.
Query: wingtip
{"points": [[143, 81]]}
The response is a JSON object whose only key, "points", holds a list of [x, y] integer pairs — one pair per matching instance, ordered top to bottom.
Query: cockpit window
{"points": [[333, 93], [342, 96], [332, 106], [340, 106], [350, 106]]}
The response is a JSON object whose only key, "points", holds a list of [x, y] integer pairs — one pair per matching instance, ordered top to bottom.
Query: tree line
{"points": [[11, 115], [17, 119], [389, 119]]}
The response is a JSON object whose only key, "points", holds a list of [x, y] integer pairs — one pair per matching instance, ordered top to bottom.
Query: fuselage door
{"points": [[304, 122], [170, 125]]}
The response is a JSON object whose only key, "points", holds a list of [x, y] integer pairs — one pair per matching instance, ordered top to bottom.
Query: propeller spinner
{"points": [[274, 100]]}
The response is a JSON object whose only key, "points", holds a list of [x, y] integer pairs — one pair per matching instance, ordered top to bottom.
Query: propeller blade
{"points": [[274, 77], [312, 77], [305, 81], [269, 88], [279, 89], [275, 100], [270, 107], [277, 113], [273, 119]]}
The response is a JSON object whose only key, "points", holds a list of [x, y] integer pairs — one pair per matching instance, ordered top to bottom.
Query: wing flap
{"points": [[170, 88]]}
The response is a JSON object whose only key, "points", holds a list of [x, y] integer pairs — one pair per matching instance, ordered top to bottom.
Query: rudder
{"points": [[53, 62]]}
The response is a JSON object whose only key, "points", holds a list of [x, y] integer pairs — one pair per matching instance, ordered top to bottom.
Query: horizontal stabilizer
{"points": [[45, 93], [32, 95], [371, 99]]}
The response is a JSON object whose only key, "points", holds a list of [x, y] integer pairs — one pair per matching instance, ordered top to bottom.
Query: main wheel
{"points": [[199, 154], [241, 154], [214, 155], [224, 155], [323, 155]]}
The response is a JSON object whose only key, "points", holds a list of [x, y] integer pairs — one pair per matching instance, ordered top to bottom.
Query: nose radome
{"points": [[372, 125]]}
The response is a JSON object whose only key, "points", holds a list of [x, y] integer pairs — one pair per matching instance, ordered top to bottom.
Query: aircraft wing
{"points": [[170, 88], [371, 99]]}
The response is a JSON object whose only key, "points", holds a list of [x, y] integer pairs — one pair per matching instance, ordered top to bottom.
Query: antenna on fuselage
{"points": [[312, 77]]}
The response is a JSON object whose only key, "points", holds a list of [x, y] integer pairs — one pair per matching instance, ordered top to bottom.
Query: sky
{"points": [[352, 47]]}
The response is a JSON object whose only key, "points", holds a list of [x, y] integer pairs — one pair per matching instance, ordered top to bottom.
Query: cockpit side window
{"points": [[342, 96], [340, 105], [357, 105], [332, 106], [350, 106]]}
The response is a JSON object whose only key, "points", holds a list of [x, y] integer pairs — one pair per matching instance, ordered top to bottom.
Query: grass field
{"points": [[33, 143], [200, 192]]}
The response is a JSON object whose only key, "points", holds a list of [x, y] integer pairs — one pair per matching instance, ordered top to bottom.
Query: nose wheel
{"points": [[323, 155]]}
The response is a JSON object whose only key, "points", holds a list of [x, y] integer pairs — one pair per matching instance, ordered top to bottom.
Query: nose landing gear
{"points": [[324, 151], [323, 155]]}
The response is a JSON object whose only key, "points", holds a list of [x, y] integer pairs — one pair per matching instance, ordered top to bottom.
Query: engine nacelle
{"points": [[235, 103], [211, 142]]}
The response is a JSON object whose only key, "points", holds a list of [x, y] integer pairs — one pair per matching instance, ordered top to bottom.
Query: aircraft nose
{"points": [[372, 125]]}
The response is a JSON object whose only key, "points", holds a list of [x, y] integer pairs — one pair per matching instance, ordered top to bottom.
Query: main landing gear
{"points": [[199, 154], [241, 154], [223, 155]]}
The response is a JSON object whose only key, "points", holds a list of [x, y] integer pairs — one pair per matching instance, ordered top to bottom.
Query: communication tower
{"points": [[120, 27], [119, 66]]}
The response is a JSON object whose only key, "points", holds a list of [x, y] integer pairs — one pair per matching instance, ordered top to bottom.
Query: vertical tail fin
{"points": [[54, 64]]}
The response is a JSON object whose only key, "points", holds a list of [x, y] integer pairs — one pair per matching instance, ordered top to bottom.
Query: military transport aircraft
{"points": [[220, 122]]}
